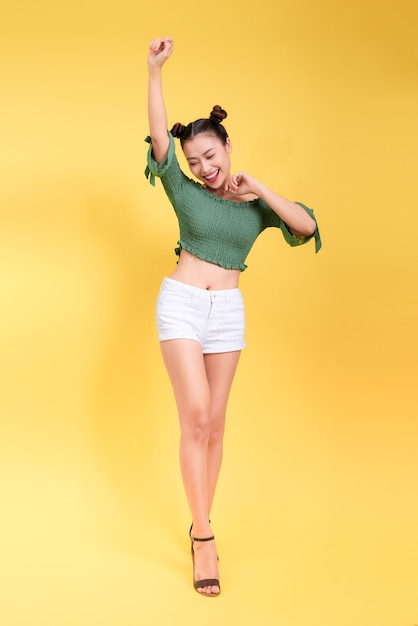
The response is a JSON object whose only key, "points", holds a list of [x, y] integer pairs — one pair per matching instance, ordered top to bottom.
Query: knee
{"points": [[197, 424], [217, 424], [217, 428]]}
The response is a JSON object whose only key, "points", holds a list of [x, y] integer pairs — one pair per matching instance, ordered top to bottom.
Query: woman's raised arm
{"points": [[159, 51]]}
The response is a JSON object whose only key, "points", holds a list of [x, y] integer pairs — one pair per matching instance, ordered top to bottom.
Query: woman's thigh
{"points": [[185, 365], [220, 372], [201, 383]]}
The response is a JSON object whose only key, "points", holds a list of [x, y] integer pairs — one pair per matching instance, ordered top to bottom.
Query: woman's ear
{"points": [[228, 145]]}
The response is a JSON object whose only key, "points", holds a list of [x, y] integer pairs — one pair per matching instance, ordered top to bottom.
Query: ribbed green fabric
{"points": [[212, 228]]}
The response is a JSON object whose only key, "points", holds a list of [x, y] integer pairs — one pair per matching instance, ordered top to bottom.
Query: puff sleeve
{"points": [[153, 168], [298, 240]]}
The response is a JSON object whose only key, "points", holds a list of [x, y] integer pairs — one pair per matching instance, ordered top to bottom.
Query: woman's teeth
{"points": [[212, 176]]}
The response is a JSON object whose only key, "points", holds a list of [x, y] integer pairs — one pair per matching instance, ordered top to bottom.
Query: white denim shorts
{"points": [[213, 318]]}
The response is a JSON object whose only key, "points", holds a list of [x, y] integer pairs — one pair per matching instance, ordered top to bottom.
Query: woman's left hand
{"points": [[241, 183]]}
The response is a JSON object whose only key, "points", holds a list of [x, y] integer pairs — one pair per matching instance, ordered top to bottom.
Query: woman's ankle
{"points": [[201, 529]]}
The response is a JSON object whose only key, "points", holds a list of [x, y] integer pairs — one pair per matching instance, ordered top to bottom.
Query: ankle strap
{"points": [[204, 539]]}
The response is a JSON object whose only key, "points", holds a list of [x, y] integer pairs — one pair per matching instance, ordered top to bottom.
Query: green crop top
{"points": [[215, 229]]}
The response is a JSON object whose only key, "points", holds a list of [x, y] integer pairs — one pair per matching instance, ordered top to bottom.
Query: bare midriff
{"points": [[202, 274]]}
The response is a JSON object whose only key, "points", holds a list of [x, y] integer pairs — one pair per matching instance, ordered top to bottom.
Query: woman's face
{"points": [[209, 160]]}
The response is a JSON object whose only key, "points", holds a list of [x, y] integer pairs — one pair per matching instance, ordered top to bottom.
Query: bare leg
{"points": [[220, 369], [201, 386]]}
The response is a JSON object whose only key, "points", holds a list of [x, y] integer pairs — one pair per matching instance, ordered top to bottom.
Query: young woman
{"points": [[200, 313]]}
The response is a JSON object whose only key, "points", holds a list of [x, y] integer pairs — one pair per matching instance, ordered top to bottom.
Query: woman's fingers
{"points": [[162, 44]]}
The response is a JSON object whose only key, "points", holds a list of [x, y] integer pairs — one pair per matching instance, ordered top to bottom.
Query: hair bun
{"points": [[218, 114], [177, 130]]}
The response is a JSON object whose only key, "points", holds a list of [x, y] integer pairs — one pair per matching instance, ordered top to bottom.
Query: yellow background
{"points": [[316, 513]]}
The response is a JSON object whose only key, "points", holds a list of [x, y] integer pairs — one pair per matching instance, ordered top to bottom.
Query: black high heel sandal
{"points": [[205, 582]]}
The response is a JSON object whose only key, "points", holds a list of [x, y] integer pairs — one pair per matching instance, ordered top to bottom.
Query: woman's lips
{"points": [[212, 177]]}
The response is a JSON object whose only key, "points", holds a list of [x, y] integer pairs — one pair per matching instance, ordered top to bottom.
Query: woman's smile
{"points": [[213, 177]]}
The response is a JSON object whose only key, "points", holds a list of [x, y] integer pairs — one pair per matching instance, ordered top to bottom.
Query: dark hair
{"points": [[211, 124]]}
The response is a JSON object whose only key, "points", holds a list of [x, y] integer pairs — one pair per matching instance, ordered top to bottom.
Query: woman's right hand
{"points": [[159, 51]]}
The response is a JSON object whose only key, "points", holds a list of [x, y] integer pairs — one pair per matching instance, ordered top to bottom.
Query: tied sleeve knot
{"points": [[153, 168], [148, 174]]}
